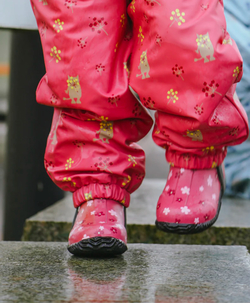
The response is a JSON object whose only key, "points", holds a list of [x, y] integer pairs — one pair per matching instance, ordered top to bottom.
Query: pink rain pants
{"points": [[176, 55]]}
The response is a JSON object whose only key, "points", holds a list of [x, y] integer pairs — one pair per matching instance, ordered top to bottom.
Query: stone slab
{"points": [[232, 227], [46, 272]]}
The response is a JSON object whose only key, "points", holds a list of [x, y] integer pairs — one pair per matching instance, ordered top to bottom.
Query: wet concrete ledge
{"points": [[232, 227], [46, 272]]}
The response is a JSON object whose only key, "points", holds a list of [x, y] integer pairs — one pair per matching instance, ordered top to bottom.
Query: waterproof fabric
{"points": [[183, 64], [237, 162], [190, 197], [99, 218]]}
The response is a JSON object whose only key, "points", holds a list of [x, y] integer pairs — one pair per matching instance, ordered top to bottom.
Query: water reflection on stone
{"points": [[109, 279], [95, 280]]}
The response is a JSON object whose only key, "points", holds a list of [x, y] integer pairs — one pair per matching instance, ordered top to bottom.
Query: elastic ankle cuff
{"points": [[192, 161], [98, 191]]}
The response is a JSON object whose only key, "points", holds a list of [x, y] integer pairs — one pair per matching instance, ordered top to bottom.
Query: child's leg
{"points": [[185, 65], [90, 149]]}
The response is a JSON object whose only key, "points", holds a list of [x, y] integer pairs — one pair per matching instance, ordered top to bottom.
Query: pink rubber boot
{"points": [[191, 200], [99, 229]]}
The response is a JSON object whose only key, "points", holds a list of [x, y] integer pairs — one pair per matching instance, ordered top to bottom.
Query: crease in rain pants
{"points": [[183, 64]]}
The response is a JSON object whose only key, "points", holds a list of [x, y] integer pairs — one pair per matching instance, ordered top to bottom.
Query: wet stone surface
{"points": [[46, 272]]}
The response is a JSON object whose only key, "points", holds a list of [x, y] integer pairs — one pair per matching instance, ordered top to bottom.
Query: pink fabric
{"points": [[180, 60], [184, 64], [96, 190], [99, 218]]}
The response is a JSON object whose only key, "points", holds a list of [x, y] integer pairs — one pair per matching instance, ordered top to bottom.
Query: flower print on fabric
{"points": [[98, 25], [185, 190]]}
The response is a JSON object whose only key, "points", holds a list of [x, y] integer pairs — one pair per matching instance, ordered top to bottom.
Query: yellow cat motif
{"points": [[205, 48], [144, 66], [74, 90], [105, 132], [195, 135]]}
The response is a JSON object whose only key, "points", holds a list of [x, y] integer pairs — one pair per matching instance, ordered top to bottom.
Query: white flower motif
{"points": [[182, 170], [170, 175], [209, 181], [167, 188], [201, 188], [185, 190], [214, 196], [89, 203], [82, 210], [185, 210], [166, 211], [112, 212], [92, 213], [196, 220], [102, 222], [120, 226], [101, 228], [85, 237]]}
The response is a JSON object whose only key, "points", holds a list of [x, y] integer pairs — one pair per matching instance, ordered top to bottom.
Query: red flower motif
{"points": [[151, 2], [70, 4], [98, 25], [158, 40], [81, 42], [100, 68], [178, 71], [210, 89], [53, 99], [114, 99], [149, 103], [199, 109], [137, 110], [216, 120], [234, 131], [79, 144], [48, 164], [171, 192], [179, 199], [99, 214], [206, 217], [177, 221], [114, 230]]}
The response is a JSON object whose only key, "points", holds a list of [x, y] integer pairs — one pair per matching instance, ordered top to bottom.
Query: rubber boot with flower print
{"points": [[191, 200], [99, 229]]}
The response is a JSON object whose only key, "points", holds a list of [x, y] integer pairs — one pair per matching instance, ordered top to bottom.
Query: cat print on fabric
{"points": [[205, 48], [144, 66], [74, 90], [105, 132], [195, 135]]}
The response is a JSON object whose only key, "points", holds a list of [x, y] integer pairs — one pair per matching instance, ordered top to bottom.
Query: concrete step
{"points": [[232, 227], [46, 272]]}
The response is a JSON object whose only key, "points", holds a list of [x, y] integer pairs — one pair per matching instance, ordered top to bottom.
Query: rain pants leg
{"points": [[185, 65], [91, 149]]}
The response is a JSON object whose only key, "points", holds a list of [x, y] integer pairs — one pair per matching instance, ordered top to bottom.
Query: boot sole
{"points": [[188, 229], [98, 247]]}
